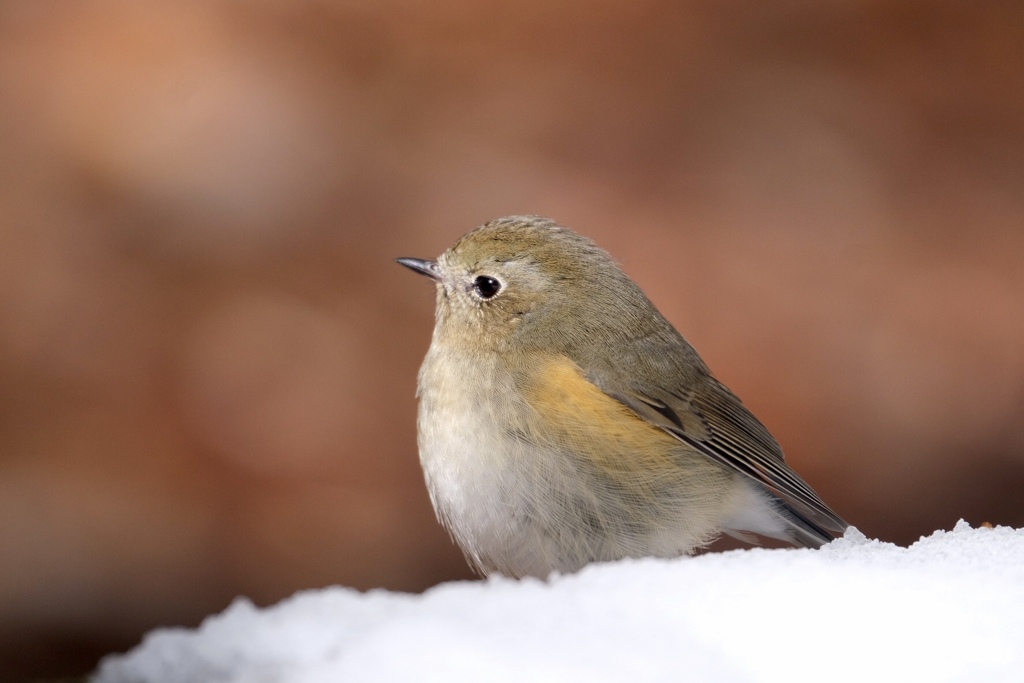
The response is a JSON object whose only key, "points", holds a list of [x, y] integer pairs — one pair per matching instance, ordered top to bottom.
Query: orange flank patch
{"points": [[576, 416]]}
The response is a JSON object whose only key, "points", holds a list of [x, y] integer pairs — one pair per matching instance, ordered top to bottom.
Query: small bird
{"points": [[563, 420]]}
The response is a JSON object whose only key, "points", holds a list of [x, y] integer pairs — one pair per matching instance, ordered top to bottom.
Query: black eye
{"points": [[486, 286]]}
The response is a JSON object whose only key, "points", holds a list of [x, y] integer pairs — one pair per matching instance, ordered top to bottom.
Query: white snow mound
{"points": [[948, 608]]}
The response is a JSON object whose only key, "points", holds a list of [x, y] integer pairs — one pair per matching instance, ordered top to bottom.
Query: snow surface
{"points": [[948, 608]]}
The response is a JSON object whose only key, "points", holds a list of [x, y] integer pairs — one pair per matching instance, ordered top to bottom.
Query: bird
{"points": [[563, 420]]}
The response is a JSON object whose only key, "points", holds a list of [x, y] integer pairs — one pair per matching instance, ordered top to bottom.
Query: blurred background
{"points": [[208, 356]]}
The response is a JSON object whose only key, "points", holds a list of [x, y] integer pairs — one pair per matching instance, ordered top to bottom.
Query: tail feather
{"points": [[764, 513]]}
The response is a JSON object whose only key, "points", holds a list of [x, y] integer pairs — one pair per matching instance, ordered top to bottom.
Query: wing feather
{"points": [[716, 423]]}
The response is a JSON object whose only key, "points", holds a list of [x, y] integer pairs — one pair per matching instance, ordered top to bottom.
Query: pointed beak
{"points": [[421, 266]]}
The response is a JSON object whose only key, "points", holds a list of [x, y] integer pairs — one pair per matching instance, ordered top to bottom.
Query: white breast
{"points": [[520, 508]]}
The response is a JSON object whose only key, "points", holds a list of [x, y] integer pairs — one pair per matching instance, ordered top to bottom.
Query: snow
{"points": [[948, 608]]}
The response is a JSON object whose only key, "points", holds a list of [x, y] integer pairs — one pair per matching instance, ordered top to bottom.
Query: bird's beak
{"points": [[421, 266]]}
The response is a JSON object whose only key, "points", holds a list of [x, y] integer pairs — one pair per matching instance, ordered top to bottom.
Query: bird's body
{"points": [[564, 421]]}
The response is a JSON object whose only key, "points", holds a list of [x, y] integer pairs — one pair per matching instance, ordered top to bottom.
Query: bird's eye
{"points": [[486, 286]]}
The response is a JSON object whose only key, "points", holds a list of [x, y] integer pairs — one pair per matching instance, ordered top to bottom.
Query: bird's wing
{"points": [[714, 421]]}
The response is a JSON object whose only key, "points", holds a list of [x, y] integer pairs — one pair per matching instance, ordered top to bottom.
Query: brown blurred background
{"points": [[208, 356]]}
